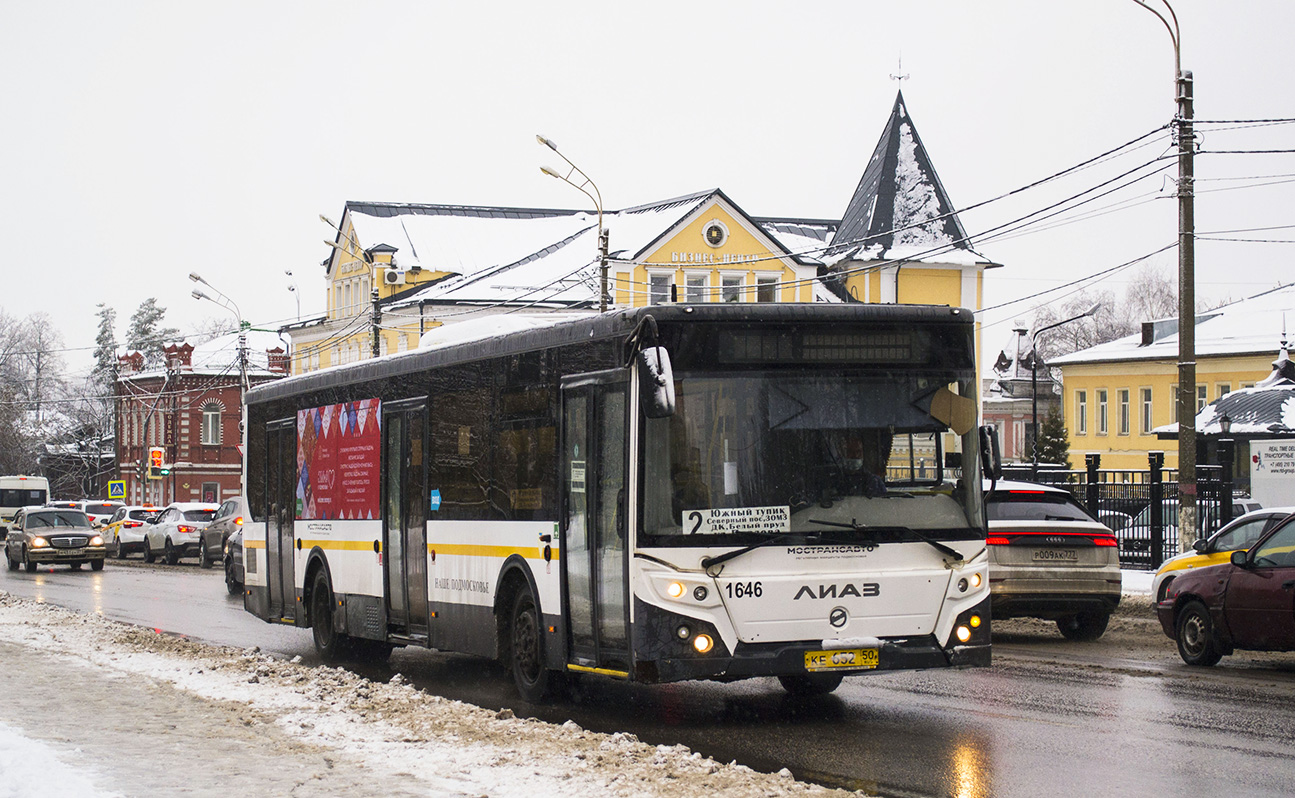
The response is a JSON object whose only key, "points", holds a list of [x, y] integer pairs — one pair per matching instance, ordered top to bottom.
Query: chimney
{"points": [[1148, 333]]}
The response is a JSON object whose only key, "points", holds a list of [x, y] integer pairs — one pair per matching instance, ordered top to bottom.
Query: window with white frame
{"points": [[659, 288], [695, 288], [731, 288], [766, 288], [1224, 389], [1123, 397], [1202, 397], [1146, 411], [1081, 412], [1102, 412], [211, 424]]}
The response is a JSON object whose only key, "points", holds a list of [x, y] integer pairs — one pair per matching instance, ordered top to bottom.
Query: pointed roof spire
{"points": [[899, 201]]}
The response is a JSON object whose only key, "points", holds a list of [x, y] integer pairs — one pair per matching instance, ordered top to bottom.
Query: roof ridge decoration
{"points": [[899, 201]]}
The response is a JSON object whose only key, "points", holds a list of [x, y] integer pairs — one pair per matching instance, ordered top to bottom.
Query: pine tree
{"points": [[147, 336], [104, 374], [1054, 446]]}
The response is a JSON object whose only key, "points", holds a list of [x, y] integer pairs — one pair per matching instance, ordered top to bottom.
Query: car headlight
{"points": [[97, 540], [39, 543]]}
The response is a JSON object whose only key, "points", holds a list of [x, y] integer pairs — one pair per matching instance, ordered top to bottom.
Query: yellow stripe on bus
{"points": [[253, 544], [339, 545], [475, 550], [599, 671]]}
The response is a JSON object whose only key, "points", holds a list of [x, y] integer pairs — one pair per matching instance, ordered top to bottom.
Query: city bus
{"points": [[18, 491], [654, 494]]}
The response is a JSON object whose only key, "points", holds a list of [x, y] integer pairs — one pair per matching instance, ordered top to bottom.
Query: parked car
{"points": [[64, 504], [99, 510], [229, 518], [1114, 520], [177, 531], [124, 532], [53, 535], [1135, 539], [1217, 549], [1048, 558], [233, 559], [1244, 603]]}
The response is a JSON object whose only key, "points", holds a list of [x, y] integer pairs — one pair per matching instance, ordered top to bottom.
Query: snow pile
{"points": [[450, 747]]}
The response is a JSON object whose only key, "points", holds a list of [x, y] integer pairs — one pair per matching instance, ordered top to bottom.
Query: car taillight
{"points": [[238, 521], [132, 524], [185, 529], [996, 541], [1105, 542]]}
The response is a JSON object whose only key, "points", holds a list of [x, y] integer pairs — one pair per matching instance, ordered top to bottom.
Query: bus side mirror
{"points": [[656, 382], [991, 461]]}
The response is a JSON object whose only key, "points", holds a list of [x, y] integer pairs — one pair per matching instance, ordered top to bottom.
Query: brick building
{"points": [[192, 408]]}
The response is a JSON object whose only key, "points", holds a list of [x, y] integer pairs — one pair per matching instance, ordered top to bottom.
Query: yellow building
{"points": [[899, 241], [1116, 394]]}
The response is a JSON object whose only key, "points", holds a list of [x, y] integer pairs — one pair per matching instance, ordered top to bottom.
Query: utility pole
{"points": [[1187, 509]]}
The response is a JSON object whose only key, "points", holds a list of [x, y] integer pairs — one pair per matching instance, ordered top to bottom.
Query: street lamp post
{"points": [[597, 198], [296, 292], [375, 296], [228, 304], [1034, 382], [1187, 509]]}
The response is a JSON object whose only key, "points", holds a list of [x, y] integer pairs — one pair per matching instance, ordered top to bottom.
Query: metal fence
{"points": [[1140, 506]]}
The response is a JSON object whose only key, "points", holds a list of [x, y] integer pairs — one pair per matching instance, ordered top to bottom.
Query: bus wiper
{"points": [[858, 527], [719, 559]]}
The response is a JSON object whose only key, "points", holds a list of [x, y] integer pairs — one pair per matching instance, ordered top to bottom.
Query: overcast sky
{"points": [[142, 141]]}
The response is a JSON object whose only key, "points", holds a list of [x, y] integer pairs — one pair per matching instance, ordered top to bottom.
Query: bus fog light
{"points": [[962, 585], [674, 589], [975, 622], [683, 632], [963, 634], [703, 643]]}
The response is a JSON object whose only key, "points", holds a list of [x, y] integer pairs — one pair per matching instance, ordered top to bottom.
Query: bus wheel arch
{"points": [[519, 624]]}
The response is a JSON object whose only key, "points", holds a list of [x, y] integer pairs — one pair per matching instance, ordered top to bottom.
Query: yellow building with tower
{"points": [[898, 241]]}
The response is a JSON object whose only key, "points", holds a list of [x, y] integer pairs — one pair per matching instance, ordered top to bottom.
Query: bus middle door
{"points": [[281, 492], [594, 523], [404, 528]]}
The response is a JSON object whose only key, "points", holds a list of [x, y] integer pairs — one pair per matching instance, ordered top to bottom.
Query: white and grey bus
{"points": [[657, 494]]}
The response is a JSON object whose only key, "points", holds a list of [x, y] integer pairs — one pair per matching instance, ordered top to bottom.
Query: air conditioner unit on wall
{"points": [[393, 277]]}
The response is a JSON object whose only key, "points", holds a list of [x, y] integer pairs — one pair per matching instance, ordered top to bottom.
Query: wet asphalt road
{"points": [[1047, 719]]}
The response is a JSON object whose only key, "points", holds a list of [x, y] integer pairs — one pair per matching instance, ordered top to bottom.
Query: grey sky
{"points": [[145, 140]]}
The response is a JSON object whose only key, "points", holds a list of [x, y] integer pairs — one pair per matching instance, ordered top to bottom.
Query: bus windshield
{"points": [[844, 455]]}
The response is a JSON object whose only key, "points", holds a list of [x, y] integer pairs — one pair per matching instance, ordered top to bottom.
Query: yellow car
{"points": [[1217, 549]]}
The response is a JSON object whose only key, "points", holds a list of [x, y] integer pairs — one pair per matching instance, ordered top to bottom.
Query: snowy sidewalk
{"points": [[94, 709]]}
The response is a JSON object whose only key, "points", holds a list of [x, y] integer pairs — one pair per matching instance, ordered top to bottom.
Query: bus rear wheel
{"points": [[330, 643], [526, 649], [808, 684]]}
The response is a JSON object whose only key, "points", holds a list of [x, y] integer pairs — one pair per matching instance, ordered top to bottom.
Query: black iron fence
{"points": [[1140, 506]]}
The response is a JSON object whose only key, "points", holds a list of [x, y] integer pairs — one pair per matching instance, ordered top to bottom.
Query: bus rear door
{"points": [[280, 492]]}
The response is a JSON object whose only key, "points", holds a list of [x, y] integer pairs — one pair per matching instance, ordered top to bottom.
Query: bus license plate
{"points": [[852, 658]]}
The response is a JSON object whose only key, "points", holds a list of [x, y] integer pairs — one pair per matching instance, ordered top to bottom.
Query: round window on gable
{"points": [[715, 233]]}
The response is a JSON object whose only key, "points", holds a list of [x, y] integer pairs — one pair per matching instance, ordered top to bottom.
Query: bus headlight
{"points": [[976, 580], [674, 590], [963, 634], [703, 643]]}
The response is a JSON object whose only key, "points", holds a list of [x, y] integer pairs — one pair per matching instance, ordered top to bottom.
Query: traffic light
{"points": [[155, 468]]}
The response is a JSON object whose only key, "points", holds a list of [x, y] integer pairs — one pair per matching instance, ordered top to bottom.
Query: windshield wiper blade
{"points": [[858, 527], [718, 559]]}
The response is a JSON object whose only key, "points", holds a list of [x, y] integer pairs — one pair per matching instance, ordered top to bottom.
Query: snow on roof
{"points": [[462, 240], [491, 326], [1248, 326], [221, 353], [1253, 412]]}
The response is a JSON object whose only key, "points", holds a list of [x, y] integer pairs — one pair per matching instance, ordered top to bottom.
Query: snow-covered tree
{"points": [[146, 334], [103, 376], [1054, 446]]}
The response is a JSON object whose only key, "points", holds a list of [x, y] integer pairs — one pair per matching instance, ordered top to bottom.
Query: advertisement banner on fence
{"points": [[339, 460], [1272, 472]]}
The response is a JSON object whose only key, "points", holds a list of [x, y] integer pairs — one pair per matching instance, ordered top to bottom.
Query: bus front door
{"points": [[280, 491], [404, 529], [594, 530]]}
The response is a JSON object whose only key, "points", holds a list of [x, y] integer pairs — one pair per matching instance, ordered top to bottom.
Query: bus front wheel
{"points": [[330, 643], [526, 649]]}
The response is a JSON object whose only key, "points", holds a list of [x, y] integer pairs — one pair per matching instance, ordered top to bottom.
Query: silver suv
{"points": [[1048, 558]]}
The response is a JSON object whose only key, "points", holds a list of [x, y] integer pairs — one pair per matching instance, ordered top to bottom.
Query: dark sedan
{"points": [[53, 536], [1247, 603]]}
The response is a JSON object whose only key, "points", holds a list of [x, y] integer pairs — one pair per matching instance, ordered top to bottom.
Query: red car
{"points": [[1248, 603]]}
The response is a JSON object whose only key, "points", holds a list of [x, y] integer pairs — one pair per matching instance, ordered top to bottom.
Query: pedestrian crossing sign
{"points": [[117, 489]]}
